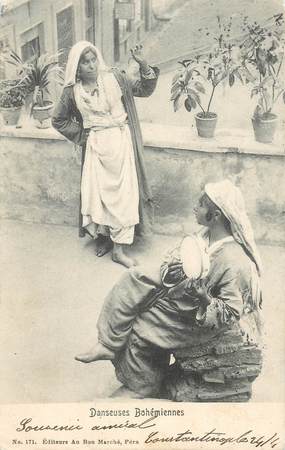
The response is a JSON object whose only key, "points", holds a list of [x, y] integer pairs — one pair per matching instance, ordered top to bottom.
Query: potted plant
{"points": [[264, 58], [40, 71], [203, 74], [36, 76], [12, 97]]}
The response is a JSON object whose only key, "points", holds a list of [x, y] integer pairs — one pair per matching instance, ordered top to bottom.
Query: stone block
{"points": [[229, 341], [246, 355], [221, 370], [189, 388]]}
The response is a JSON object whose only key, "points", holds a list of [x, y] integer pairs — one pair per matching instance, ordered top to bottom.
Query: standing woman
{"points": [[97, 111]]}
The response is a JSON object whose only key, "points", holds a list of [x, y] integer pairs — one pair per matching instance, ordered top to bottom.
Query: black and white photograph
{"points": [[142, 218]]}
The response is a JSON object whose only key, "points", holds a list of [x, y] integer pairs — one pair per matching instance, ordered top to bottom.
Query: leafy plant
{"points": [[263, 51], [221, 64], [37, 73], [12, 94]]}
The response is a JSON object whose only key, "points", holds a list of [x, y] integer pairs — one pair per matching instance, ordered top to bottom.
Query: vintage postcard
{"points": [[142, 224]]}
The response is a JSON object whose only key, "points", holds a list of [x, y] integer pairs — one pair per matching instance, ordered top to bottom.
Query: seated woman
{"points": [[97, 111], [145, 317]]}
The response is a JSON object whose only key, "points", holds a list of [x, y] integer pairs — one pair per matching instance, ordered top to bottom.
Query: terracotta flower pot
{"points": [[42, 114], [11, 115], [206, 125], [264, 128]]}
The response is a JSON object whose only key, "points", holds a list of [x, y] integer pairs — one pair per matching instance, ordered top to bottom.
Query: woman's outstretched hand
{"points": [[137, 55]]}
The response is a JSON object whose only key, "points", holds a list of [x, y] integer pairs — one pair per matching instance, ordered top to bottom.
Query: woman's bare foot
{"points": [[103, 245], [120, 257], [98, 353]]}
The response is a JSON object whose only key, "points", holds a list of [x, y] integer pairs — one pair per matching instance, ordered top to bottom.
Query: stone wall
{"points": [[178, 176], [39, 179]]}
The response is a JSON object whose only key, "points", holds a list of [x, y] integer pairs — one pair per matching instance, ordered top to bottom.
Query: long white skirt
{"points": [[109, 185]]}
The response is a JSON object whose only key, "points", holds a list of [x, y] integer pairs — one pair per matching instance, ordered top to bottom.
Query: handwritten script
{"points": [[155, 436]]}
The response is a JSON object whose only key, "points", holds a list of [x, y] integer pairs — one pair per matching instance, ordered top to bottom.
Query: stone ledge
{"points": [[30, 132], [171, 137]]}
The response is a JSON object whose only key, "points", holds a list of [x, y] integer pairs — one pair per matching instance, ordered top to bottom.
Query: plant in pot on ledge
{"points": [[264, 58], [203, 74], [36, 76], [12, 97]]}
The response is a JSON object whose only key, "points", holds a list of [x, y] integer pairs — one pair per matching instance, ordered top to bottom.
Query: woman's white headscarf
{"points": [[73, 60], [229, 199]]}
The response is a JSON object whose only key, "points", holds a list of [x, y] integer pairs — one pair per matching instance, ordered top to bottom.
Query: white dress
{"points": [[109, 186]]}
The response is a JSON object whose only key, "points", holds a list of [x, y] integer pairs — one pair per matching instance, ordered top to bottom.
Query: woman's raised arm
{"points": [[146, 84]]}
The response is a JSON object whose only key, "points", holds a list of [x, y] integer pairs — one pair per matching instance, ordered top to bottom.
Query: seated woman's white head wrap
{"points": [[73, 60], [229, 199]]}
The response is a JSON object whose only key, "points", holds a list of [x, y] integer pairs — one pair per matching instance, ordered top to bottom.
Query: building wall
{"points": [[36, 18], [107, 26], [40, 177]]}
